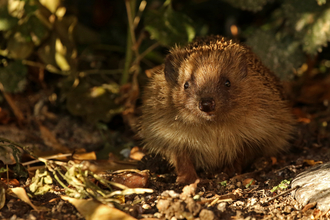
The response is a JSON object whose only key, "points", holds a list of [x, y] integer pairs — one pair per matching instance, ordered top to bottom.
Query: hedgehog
{"points": [[214, 106]]}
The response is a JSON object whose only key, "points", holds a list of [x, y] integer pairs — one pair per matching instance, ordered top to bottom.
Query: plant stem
{"points": [[130, 7]]}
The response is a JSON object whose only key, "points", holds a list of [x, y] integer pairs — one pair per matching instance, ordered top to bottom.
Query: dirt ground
{"points": [[262, 192]]}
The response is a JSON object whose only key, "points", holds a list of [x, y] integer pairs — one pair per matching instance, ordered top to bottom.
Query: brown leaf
{"points": [[18, 113], [50, 140], [136, 153], [84, 156], [274, 160], [312, 162], [132, 179], [248, 181], [309, 206], [93, 210]]}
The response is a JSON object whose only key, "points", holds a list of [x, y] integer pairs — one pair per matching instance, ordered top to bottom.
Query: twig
{"points": [[130, 15], [130, 42], [148, 50], [97, 71], [46, 158], [284, 193]]}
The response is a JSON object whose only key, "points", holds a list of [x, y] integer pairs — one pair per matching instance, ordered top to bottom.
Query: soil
{"points": [[249, 195]]}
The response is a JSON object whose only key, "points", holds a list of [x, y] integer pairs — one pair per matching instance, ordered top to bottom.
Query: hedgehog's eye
{"points": [[227, 83], [186, 85]]}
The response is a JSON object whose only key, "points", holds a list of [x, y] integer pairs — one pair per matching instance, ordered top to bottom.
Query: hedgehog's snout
{"points": [[207, 105]]}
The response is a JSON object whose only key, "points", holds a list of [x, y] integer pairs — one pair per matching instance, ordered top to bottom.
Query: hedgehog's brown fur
{"points": [[250, 118]]}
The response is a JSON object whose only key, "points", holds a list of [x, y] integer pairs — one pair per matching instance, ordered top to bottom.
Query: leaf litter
{"points": [[85, 179]]}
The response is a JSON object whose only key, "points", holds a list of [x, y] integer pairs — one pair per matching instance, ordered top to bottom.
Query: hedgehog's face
{"points": [[208, 85]]}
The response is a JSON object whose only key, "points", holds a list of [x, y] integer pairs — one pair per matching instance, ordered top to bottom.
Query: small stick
{"points": [[286, 192]]}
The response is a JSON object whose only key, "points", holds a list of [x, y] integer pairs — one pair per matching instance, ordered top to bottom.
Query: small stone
{"points": [[170, 193], [163, 205], [146, 206], [222, 206], [287, 209], [207, 215]]}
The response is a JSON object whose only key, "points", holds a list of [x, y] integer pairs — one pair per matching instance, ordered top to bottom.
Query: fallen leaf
{"points": [[18, 113], [51, 140], [136, 154], [6, 155], [84, 156], [274, 160], [312, 162], [132, 179], [12, 182], [248, 182], [21, 194], [309, 206], [93, 210], [316, 214]]}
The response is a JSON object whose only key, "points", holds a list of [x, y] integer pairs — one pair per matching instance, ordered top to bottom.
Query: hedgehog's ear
{"points": [[171, 69]]}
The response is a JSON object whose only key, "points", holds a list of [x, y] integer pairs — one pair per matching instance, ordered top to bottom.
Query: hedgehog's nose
{"points": [[207, 105]]}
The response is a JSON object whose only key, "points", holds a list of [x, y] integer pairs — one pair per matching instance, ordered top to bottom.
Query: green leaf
{"points": [[321, 2], [248, 5], [30, 7], [6, 20], [310, 22], [169, 27], [36, 29], [19, 46], [280, 54], [13, 76], [94, 103], [41, 182], [223, 183], [283, 185]]}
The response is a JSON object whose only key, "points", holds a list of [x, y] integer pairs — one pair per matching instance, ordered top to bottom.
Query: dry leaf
{"points": [[18, 113], [302, 116], [51, 140], [136, 154], [84, 156], [274, 160], [312, 162], [132, 179], [249, 181], [21, 194], [309, 206], [93, 210]]}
